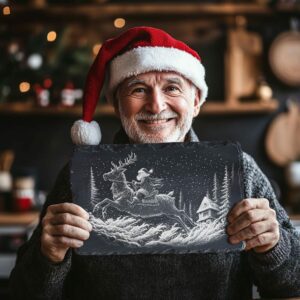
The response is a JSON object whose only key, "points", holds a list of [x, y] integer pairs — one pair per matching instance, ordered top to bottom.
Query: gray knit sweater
{"points": [[163, 276]]}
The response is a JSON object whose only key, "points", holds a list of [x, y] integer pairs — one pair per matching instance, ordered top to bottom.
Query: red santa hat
{"points": [[136, 51], [145, 172]]}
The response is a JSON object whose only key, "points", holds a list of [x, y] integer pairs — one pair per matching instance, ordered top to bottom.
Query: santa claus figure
{"points": [[146, 187]]}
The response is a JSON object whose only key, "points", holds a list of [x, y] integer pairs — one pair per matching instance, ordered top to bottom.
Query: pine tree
{"points": [[215, 189], [94, 190], [224, 199], [180, 200], [190, 210]]}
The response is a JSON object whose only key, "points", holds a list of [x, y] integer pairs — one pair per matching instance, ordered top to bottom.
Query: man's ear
{"points": [[197, 103], [116, 104], [116, 108]]}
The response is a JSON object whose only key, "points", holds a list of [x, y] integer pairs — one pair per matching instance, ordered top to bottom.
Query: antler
{"points": [[128, 161]]}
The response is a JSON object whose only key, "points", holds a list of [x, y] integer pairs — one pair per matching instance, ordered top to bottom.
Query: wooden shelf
{"points": [[132, 9], [138, 11], [254, 107], [209, 108], [30, 109], [295, 217], [24, 219]]}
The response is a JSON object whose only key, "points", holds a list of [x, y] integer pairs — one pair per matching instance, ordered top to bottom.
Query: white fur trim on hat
{"points": [[145, 59], [85, 133]]}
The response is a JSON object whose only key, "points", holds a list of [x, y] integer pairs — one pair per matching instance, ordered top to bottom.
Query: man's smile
{"points": [[155, 122]]}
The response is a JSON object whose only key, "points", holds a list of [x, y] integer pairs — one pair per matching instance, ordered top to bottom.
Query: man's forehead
{"points": [[161, 76]]}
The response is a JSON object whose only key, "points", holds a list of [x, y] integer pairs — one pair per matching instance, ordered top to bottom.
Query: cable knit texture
{"points": [[166, 276]]}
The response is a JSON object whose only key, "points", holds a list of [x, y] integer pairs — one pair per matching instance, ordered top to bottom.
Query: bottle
{"points": [[6, 160], [24, 188], [5, 190]]}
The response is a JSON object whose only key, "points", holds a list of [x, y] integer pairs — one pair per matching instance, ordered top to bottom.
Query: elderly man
{"points": [[157, 86]]}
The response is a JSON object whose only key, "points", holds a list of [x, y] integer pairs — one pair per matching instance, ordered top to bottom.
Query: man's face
{"points": [[157, 107]]}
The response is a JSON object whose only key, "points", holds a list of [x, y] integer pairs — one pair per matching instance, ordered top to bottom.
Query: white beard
{"points": [[137, 135]]}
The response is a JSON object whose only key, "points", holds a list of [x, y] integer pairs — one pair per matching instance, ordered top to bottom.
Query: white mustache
{"points": [[151, 117]]}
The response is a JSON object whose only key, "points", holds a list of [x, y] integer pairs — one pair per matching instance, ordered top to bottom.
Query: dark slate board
{"points": [[181, 206]]}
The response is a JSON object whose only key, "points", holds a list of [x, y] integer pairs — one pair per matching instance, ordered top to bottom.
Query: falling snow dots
{"points": [[119, 22], [51, 36], [24, 87]]}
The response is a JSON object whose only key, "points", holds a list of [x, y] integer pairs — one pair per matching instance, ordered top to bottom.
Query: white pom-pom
{"points": [[86, 133]]}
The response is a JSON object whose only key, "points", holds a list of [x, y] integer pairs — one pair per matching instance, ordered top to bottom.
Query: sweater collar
{"points": [[122, 138]]}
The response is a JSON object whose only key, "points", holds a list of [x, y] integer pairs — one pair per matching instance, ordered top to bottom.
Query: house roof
{"points": [[207, 204]]}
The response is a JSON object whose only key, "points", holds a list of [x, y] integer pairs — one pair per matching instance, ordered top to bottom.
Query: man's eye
{"points": [[172, 88], [139, 90]]}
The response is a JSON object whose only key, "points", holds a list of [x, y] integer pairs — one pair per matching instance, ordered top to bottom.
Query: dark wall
{"points": [[42, 144]]}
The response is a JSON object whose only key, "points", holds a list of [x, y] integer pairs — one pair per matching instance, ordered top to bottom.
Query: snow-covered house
{"points": [[208, 211]]}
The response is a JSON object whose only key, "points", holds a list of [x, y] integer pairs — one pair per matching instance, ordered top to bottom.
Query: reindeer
{"points": [[123, 194]]}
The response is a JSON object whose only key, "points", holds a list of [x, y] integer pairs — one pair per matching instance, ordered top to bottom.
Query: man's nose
{"points": [[156, 102]]}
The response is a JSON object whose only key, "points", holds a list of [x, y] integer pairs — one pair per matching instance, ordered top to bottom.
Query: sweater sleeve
{"points": [[277, 271], [34, 276]]}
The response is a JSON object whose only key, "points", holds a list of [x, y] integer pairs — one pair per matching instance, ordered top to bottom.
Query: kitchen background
{"points": [[251, 52]]}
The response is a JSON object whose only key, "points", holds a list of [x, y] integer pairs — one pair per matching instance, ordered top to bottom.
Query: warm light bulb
{"points": [[6, 10], [119, 22], [51, 36], [13, 48], [96, 48], [35, 61], [24, 87], [265, 92]]}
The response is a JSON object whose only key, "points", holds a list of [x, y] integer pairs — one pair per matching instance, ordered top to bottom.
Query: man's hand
{"points": [[253, 221], [64, 226]]}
